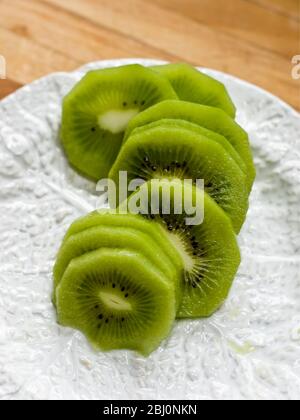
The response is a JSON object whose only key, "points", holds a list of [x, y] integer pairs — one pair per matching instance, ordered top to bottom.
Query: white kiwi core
{"points": [[116, 121], [184, 250], [115, 302]]}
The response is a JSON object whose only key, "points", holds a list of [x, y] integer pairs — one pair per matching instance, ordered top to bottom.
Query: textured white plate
{"points": [[249, 349]]}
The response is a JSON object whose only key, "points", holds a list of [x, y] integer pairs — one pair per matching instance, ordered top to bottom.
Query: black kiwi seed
{"points": [[135, 102], [124, 103], [143, 103], [93, 129], [146, 159], [154, 168], [200, 278], [194, 285], [113, 286], [123, 289], [126, 296], [97, 306], [100, 316], [123, 319], [106, 321]]}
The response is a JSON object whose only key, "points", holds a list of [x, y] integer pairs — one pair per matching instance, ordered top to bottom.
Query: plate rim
{"points": [[133, 60]]}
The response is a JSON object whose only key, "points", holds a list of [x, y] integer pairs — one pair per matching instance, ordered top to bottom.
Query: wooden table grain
{"points": [[252, 39]]}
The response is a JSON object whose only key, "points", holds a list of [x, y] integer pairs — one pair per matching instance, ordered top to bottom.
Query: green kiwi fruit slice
{"points": [[194, 86], [97, 110], [213, 119], [221, 140], [170, 152], [105, 217], [127, 238], [209, 250], [117, 299]]}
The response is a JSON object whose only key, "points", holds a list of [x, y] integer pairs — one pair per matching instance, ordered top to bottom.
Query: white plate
{"points": [[249, 349]]}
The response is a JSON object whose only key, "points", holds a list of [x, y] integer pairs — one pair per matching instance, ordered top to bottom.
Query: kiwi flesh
{"points": [[194, 86], [97, 110], [211, 118], [177, 123], [170, 152], [105, 217], [117, 238], [209, 250], [117, 299]]}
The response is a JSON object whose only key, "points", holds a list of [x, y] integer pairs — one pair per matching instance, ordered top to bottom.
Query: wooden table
{"points": [[252, 39]]}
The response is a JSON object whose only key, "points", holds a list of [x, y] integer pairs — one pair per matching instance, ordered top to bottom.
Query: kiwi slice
{"points": [[193, 86], [97, 110], [211, 118], [177, 123], [170, 152], [105, 218], [115, 237], [209, 250], [117, 299]]}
